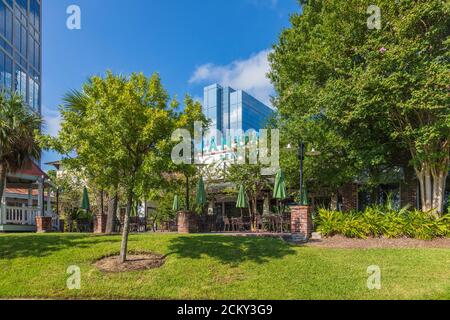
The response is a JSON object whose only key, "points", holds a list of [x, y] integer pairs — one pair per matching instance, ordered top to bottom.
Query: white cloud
{"points": [[270, 3], [249, 75], [52, 121]]}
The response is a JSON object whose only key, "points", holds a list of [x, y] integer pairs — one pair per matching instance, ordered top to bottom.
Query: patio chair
{"points": [[239, 224]]}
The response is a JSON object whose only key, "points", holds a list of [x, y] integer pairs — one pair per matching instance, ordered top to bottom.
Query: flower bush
{"points": [[381, 221]]}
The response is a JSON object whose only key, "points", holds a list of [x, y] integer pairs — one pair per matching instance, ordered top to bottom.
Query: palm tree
{"points": [[18, 125]]}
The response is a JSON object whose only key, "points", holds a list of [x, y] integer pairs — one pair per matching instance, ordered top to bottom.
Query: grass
{"points": [[217, 267]]}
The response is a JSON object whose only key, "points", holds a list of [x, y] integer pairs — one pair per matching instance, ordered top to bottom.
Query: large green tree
{"points": [[378, 98], [186, 120], [18, 129], [117, 130], [254, 182]]}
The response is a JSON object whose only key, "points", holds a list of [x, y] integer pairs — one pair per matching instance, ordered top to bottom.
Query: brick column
{"points": [[187, 222], [301, 222], [100, 223], [43, 224]]}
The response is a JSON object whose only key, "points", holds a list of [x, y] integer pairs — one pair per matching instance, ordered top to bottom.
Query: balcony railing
{"points": [[21, 215]]}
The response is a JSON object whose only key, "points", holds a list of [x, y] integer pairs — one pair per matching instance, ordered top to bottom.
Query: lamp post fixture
{"points": [[301, 156]]}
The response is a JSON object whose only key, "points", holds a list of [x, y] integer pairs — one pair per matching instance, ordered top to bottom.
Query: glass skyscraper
{"points": [[20, 49], [234, 110]]}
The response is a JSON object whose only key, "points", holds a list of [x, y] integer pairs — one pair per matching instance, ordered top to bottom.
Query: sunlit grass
{"points": [[217, 267]]}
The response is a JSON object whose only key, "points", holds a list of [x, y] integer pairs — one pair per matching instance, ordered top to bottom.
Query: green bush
{"points": [[379, 221]]}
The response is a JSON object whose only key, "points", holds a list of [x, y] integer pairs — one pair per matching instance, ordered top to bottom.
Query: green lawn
{"points": [[217, 267]]}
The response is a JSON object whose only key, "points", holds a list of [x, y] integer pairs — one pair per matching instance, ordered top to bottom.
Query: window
{"points": [[22, 4], [35, 13], [2, 18], [8, 24], [30, 54], [37, 60], [2, 69], [8, 72], [20, 85], [33, 93]]}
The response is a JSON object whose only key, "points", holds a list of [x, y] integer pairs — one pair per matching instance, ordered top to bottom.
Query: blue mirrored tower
{"points": [[20, 49]]}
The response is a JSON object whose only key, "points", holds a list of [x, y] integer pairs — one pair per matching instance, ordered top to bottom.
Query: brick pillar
{"points": [[349, 194], [187, 222], [301, 222], [100, 223], [43, 224]]}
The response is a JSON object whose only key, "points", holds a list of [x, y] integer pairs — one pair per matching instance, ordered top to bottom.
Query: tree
{"points": [[380, 97], [186, 119], [18, 129], [119, 129], [249, 176]]}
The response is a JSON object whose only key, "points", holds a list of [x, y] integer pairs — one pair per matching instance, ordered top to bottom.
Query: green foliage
{"points": [[369, 100], [19, 127], [119, 128], [381, 221]]}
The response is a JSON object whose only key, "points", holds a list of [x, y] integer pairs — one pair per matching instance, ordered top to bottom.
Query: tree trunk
{"points": [[2, 180], [432, 188], [428, 189], [439, 191], [187, 193], [100, 202], [334, 202], [112, 210], [254, 213], [126, 225]]}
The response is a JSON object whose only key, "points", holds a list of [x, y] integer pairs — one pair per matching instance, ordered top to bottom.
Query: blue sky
{"points": [[190, 43]]}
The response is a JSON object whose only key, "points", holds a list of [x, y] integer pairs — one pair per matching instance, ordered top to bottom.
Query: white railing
{"points": [[21, 215]]}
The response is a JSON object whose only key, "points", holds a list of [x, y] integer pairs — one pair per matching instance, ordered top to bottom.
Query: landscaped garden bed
{"points": [[383, 221]]}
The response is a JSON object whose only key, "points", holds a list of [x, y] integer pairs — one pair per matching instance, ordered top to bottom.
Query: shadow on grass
{"points": [[21, 246], [230, 250]]}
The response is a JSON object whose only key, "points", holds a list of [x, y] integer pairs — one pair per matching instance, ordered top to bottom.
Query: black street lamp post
{"points": [[301, 156]]}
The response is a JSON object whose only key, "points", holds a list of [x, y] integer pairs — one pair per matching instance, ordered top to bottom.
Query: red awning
{"points": [[31, 169]]}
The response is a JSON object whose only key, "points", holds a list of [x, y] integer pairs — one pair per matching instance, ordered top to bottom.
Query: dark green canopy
{"points": [[279, 192], [201, 193], [242, 199], [85, 204]]}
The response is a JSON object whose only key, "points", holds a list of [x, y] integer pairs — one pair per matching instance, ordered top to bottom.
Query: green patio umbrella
{"points": [[279, 192], [201, 193], [242, 199], [85, 204], [176, 204]]}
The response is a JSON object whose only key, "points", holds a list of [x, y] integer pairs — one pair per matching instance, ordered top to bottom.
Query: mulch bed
{"points": [[340, 242], [135, 262]]}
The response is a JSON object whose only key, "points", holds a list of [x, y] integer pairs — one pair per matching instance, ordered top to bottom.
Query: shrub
{"points": [[378, 221]]}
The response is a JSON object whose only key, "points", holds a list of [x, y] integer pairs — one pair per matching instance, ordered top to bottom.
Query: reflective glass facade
{"points": [[20, 49], [234, 109]]}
